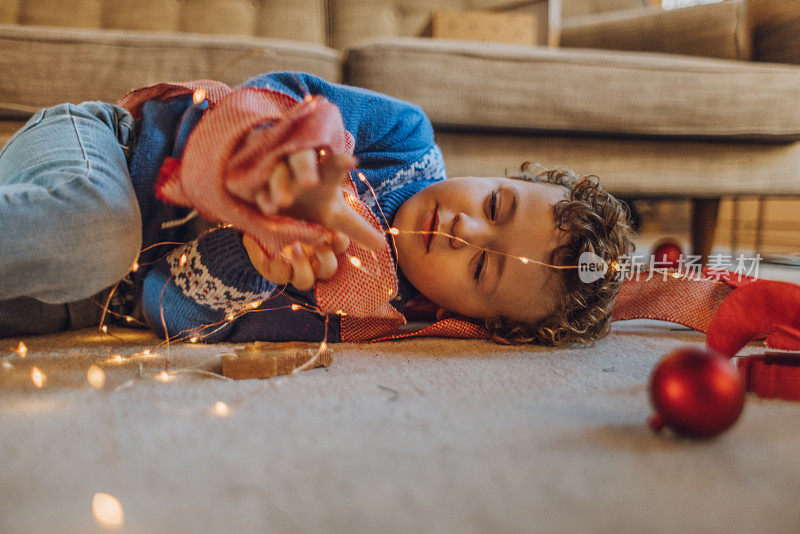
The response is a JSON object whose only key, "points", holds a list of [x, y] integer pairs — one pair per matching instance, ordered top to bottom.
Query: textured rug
{"points": [[413, 436]]}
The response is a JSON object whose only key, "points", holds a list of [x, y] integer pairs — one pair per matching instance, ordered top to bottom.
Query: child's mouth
{"points": [[429, 225]]}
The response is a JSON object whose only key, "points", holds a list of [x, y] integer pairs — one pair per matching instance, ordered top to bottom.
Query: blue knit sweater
{"points": [[397, 154]]}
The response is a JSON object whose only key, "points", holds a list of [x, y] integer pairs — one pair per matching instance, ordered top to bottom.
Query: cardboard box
{"points": [[514, 28]]}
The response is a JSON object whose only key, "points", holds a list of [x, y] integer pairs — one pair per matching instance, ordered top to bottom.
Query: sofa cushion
{"points": [[713, 30], [776, 30], [46, 66], [467, 85], [635, 167]]}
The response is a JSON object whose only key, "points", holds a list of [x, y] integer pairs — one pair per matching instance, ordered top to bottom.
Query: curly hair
{"points": [[591, 220]]}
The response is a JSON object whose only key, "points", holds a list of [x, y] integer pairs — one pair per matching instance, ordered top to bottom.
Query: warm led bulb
{"points": [[199, 95], [362, 177], [394, 231], [524, 260], [182, 261], [356, 262], [135, 267], [255, 304], [295, 307], [104, 328], [193, 340], [323, 347], [21, 350], [146, 352], [163, 376], [96, 377], [39, 378], [221, 409], [107, 511]]}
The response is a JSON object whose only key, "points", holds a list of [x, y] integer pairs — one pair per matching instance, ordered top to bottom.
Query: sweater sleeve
{"points": [[394, 140], [215, 294]]}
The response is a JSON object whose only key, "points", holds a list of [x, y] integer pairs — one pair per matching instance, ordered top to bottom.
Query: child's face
{"points": [[500, 214]]}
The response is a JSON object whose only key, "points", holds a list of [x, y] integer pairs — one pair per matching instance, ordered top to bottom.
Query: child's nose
{"points": [[468, 230]]}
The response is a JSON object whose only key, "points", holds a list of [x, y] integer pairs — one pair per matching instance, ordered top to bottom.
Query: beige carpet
{"points": [[413, 436]]}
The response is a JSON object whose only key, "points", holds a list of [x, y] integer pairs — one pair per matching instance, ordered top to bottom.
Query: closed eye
{"points": [[480, 261]]}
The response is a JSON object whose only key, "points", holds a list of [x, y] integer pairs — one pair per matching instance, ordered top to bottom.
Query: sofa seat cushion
{"points": [[709, 30], [45, 66], [468, 85], [656, 168]]}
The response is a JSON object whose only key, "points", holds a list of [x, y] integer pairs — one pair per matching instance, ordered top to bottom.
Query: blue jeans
{"points": [[70, 225]]}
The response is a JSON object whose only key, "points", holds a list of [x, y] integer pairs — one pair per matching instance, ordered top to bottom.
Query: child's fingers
{"points": [[303, 165], [333, 166], [281, 190], [264, 202], [357, 228], [338, 241], [324, 262], [278, 270], [302, 273]]}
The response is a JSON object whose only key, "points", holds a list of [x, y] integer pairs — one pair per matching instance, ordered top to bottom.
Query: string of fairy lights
{"points": [[107, 510]]}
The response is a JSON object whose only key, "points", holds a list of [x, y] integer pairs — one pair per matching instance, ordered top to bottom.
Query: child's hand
{"points": [[300, 188], [300, 265]]}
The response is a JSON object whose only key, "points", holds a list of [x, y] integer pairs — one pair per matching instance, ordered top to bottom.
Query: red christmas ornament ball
{"points": [[667, 254], [697, 392]]}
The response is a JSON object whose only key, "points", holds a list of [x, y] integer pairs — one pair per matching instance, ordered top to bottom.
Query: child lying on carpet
{"points": [[82, 188]]}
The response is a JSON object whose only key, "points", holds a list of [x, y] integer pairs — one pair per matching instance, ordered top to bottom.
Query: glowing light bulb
{"points": [[199, 95], [322, 152], [362, 177], [394, 231], [524, 260], [182, 261], [356, 262], [135, 267], [676, 275], [255, 304], [295, 307], [340, 312], [230, 317], [128, 318], [104, 328], [193, 340], [323, 347], [21, 350], [146, 352], [115, 358], [163, 376], [96, 377], [39, 378], [221, 409], [107, 511]]}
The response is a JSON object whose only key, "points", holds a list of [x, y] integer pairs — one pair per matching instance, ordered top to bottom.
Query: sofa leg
{"points": [[704, 222]]}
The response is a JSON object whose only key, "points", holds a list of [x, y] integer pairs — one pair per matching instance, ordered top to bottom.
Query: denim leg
{"points": [[70, 224]]}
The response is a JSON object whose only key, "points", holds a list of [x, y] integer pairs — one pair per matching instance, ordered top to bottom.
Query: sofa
{"points": [[650, 124]]}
